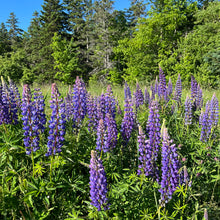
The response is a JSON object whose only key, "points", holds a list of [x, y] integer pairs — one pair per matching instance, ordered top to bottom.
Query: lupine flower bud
{"points": [[16, 93], [188, 111], [56, 123], [170, 168], [98, 183]]}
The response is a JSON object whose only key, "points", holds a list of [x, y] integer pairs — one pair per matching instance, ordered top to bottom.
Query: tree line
{"points": [[93, 40]]}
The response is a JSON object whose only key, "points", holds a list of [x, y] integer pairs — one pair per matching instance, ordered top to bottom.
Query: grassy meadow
{"points": [[59, 186]]}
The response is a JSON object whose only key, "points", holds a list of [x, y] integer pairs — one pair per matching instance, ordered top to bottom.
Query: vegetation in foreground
{"points": [[154, 155]]}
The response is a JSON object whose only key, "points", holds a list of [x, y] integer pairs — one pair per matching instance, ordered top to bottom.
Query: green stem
{"points": [[32, 158], [51, 168], [158, 208]]}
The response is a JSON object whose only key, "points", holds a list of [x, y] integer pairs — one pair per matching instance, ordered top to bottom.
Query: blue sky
{"points": [[24, 9]]}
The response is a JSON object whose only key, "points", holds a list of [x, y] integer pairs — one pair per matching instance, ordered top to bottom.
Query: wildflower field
{"points": [[109, 153]]}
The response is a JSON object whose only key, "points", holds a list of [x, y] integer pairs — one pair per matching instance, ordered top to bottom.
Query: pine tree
{"points": [[14, 31], [4, 40]]}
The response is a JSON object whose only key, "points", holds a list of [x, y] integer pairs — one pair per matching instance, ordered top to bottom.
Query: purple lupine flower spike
{"points": [[162, 85], [194, 86], [156, 87], [170, 87], [178, 90], [127, 91], [16, 93], [138, 96], [146, 97], [199, 99], [79, 101], [9, 103], [110, 103], [101, 107], [40, 109], [69, 109], [188, 111], [214, 111], [92, 112], [30, 121], [128, 121], [56, 123], [206, 124], [112, 132], [101, 137], [152, 144], [143, 152], [170, 168], [98, 183], [206, 214]]}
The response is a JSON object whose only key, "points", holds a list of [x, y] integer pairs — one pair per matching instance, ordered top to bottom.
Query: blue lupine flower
{"points": [[127, 91], [69, 108], [92, 112], [56, 123], [170, 168], [98, 183]]}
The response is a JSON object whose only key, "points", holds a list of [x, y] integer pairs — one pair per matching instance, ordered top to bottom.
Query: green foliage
{"points": [[152, 40], [65, 58]]}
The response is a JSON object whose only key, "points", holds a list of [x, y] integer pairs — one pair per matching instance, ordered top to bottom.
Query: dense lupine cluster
{"points": [[101, 112], [56, 123], [170, 168], [98, 183]]}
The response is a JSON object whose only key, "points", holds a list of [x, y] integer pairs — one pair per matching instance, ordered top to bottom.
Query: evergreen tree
{"points": [[53, 20], [14, 31], [4, 39]]}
